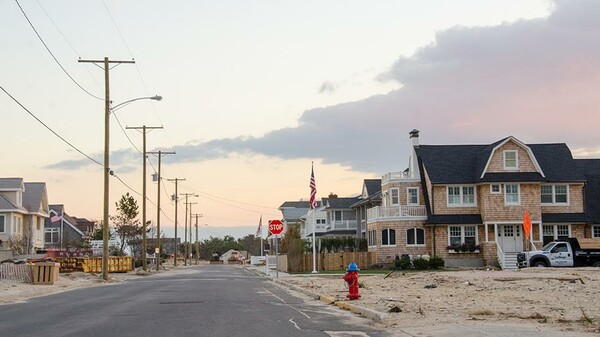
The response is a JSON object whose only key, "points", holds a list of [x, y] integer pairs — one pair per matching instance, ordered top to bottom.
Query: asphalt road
{"points": [[215, 300]]}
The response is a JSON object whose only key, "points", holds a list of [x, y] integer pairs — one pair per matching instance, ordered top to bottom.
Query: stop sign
{"points": [[275, 227]]}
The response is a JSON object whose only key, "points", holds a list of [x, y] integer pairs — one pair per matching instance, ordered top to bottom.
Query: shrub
{"points": [[436, 262], [402, 263], [420, 263]]}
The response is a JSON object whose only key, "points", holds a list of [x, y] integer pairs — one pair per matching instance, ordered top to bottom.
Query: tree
{"points": [[128, 228], [251, 244], [293, 246]]}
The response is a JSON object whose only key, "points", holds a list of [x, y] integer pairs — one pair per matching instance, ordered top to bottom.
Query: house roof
{"points": [[454, 164], [591, 169], [11, 183], [373, 186], [33, 197], [339, 203], [7, 204], [295, 204], [58, 210], [452, 219]]}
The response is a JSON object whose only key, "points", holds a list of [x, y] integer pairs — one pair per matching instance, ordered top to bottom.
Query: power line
{"points": [[51, 54], [50, 129], [239, 202]]}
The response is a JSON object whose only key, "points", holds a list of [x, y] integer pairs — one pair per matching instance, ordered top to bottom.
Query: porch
{"points": [[400, 212]]}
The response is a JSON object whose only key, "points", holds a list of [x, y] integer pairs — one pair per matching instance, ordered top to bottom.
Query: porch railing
{"points": [[394, 176], [395, 212]]}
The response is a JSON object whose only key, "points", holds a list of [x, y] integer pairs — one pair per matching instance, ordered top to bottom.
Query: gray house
{"points": [[23, 208], [61, 231]]}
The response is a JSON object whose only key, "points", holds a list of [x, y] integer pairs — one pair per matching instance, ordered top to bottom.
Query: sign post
{"points": [[275, 228]]}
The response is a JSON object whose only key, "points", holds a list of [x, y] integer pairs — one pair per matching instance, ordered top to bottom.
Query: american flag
{"points": [[313, 189], [259, 229]]}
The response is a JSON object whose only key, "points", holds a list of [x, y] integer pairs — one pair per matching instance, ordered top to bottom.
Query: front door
{"points": [[509, 238]]}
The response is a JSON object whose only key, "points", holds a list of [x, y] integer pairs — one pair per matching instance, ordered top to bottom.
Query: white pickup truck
{"points": [[561, 253]]}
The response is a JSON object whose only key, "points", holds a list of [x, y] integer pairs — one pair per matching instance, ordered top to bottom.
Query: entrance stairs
{"points": [[509, 262]]}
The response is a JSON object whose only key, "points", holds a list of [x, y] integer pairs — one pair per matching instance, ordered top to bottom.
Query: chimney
{"points": [[414, 137], [413, 166], [332, 195]]}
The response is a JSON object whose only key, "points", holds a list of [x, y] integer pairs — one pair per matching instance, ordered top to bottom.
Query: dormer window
{"points": [[511, 160]]}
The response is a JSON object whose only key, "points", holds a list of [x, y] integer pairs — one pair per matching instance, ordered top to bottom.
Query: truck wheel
{"points": [[540, 264], [597, 264]]}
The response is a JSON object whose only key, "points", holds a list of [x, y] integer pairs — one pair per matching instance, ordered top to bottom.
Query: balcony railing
{"points": [[395, 176], [396, 212], [344, 224]]}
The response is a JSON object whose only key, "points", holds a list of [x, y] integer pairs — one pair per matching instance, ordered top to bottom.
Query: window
{"points": [[511, 160], [495, 188], [511, 194], [554, 194], [394, 196], [412, 196], [461, 196], [337, 215], [321, 221], [2, 224], [596, 231], [554, 232], [52, 235], [457, 235], [388, 237], [415, 237], [372, 238]]}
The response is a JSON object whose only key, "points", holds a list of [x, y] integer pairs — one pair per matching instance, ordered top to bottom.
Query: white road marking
{"points": [[283, 301], [296, 325], [346, 333]]}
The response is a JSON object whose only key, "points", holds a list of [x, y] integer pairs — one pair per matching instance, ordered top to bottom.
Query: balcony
{"points": [[398, 176], [401, 212], [343, 225]]}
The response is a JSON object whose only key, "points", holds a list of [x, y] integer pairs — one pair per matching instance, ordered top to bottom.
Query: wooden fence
{"points": [[328, 261], [116, 264], [15, 273]]}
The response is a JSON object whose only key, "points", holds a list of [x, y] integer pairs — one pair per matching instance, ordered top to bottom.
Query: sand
{"points": [[561, 299]]}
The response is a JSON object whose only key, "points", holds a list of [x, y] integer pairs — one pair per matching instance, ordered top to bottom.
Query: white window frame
{"points": [[510, 168], [495, 192], [461, 195], [408, 196], [518, 202], [392, 203], [554, 203], [334, 220], [3, 228], [555, 230], [53, 231], [596, 231], [462, 233], [389, 236], [416, 244]]}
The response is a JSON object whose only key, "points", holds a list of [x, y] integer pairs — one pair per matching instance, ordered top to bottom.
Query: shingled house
{"points": [[477, 195]]}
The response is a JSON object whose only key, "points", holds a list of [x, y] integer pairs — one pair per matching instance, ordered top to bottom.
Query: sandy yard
{"points": [[561, 299]]}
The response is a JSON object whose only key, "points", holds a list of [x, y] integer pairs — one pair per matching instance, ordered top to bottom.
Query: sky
{"points": [[255, 91]]}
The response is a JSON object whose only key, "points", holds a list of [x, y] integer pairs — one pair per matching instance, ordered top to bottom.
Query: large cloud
{"points": [[535, 79]]}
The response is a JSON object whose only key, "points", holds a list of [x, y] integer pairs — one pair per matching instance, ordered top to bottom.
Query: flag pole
{"points": [[313, 206], [314, 243]]}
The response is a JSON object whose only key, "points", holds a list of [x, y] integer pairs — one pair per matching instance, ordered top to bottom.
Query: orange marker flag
{"points": [[527, 225]]}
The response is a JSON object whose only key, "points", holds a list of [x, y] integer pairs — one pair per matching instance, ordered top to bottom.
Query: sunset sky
{"points": [[254, 91]]}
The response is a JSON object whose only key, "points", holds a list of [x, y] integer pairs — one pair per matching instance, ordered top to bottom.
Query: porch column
{"points": [[496, 233], [487, 239]]}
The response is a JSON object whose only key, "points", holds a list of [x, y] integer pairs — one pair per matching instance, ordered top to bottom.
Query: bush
{"points": [[436, 262], [402, 263], [420, 263]]}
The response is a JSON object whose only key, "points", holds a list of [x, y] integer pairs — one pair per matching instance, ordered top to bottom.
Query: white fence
{"points": [[15, 273]]}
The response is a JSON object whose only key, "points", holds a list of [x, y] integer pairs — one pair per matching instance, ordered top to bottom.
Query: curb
{"points": [[346, 305]]}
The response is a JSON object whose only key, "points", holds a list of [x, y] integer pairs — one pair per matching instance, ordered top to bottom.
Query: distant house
{"points": [[369, 198], [23, 208], [333, 217], [62, 231]]}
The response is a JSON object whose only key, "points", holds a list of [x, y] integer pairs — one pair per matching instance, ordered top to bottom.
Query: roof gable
{"points": [[519, 144], [11, 184], [35, 198]]}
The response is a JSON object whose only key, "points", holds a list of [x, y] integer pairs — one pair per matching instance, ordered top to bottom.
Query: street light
{"points": [[108, 109]]}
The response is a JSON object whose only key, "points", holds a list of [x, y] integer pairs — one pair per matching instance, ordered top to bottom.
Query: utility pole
{"points": [[106, 62], [144, 128], [159, 154], [176, 199], [186, 221], [197, 244], [190, 250]]}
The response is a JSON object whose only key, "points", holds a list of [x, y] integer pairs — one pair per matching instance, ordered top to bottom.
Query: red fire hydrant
{"points": [[351, 279]]}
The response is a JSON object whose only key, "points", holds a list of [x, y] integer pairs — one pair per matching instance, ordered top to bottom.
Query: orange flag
{"points": [[527, 225]]}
